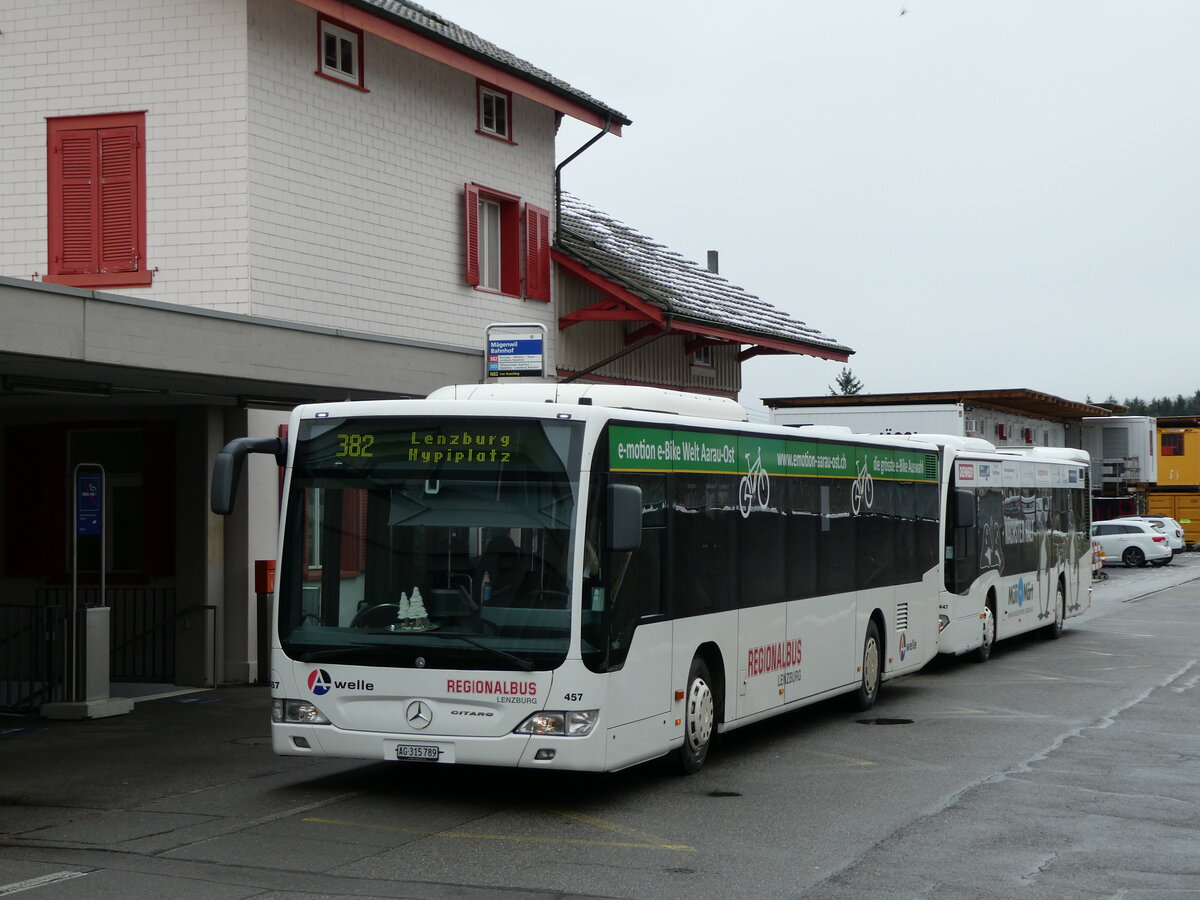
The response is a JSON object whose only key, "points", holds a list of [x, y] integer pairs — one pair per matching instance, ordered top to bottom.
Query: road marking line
{"points": [[497, 837], [654, 840], [41, 881]]}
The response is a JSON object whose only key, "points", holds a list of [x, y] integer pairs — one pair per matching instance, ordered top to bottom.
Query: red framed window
{"points": [[340, 52], [494, 112], [96, 204], [493, 240], [507, 248], [701, 352], [1172, 444]]}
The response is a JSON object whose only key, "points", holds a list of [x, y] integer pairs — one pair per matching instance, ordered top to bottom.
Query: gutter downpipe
{"points": [[558, 169]]}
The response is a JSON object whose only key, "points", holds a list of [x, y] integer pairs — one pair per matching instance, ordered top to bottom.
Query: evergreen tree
{"points": [[847, 384], [1179, 405]]}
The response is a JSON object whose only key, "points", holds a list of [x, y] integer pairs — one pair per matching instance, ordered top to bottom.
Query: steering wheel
{"points": [[360, 617]]}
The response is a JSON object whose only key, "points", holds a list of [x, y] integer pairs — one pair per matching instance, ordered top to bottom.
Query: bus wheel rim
{"points": [[870, 666], [700, 715]]}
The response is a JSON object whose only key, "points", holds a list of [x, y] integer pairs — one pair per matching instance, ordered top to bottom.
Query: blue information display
{"points": [[514, 356], [88, 487]]}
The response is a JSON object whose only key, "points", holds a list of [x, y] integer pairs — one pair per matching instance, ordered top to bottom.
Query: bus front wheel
{"points": [[984, 651], [872, 669], [699, 718]]}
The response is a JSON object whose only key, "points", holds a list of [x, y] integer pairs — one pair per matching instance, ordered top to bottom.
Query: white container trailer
{"points": [[923, 418], [1122, 449]]}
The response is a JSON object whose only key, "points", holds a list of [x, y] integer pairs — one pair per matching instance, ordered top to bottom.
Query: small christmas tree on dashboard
{"points": [[417, 611]]}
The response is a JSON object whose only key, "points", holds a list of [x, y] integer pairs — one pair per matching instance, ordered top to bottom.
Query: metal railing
{"points": [[1120, 469], [142, 628], [32, 642], [35, 642]]}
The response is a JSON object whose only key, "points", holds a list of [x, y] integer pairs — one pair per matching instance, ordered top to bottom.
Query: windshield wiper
{"points": [[356, 649], [334, 653], [525, 664]]}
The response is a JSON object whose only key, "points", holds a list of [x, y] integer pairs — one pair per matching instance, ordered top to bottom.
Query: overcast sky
{"points": [[971, 195]]}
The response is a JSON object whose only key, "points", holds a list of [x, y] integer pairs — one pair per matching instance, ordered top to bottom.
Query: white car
{"points": [[1172, 529], [1132, 542]]}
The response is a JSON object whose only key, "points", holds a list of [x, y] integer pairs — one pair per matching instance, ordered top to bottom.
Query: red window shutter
{"points": [[471, 196], [96, 205], [75, 219], [119, 227], [537, 253]]}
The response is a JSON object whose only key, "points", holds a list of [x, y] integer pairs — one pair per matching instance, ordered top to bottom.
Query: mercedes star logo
{"points": [[419, 714]]}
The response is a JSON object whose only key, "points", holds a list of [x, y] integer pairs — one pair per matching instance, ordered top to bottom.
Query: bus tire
{"points": [[1054, 630], [984, 651], [872, 669], [699, 718]]}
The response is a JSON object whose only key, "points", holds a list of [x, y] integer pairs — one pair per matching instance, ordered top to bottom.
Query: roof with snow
{"points": [[696, 300]]}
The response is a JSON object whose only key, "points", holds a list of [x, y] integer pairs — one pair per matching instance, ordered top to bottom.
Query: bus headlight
{"points": [[943, 621], [296, 712], [571, 723]]}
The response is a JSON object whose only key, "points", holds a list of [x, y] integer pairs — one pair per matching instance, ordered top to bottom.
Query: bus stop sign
{"points": [[515, 351], [88, 503]]}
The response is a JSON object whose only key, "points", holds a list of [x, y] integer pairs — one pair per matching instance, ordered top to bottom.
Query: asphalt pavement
{"points": [[131, 784]]}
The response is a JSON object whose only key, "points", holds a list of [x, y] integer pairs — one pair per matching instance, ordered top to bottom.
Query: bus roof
{"points": [[618, 396]]}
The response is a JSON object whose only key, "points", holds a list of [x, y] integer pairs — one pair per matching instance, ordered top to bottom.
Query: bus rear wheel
{"points": [[1055, 628], [872, 669], [699, 718]]}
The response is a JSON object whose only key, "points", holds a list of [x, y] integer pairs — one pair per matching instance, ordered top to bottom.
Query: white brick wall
{"points": [[182, 62], [270, 190], [356, 198]]}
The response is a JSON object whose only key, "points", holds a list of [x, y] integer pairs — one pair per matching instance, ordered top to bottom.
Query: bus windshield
{"points": [[431, 543]]}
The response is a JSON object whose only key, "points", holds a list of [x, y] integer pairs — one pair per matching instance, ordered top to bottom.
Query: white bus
{"points": [[1018, 545], [586, 576]]}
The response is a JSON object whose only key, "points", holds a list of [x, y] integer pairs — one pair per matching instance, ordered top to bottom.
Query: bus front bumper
{"points": [[581, 754]]}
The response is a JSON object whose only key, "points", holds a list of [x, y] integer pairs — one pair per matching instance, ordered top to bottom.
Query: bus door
{"points": [[626, 631], [768, 650]]}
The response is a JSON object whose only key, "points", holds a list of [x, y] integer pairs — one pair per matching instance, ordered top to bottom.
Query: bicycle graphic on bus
{"points": [[755, 486], [863, 489]]}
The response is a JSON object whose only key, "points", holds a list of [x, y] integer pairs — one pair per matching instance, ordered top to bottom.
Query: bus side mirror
{"points": [[227, 468], [964, 509], [624, 517]]}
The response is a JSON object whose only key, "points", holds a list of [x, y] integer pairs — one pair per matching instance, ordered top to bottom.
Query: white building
{"points": [[215, 209], [1007, 418]]}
